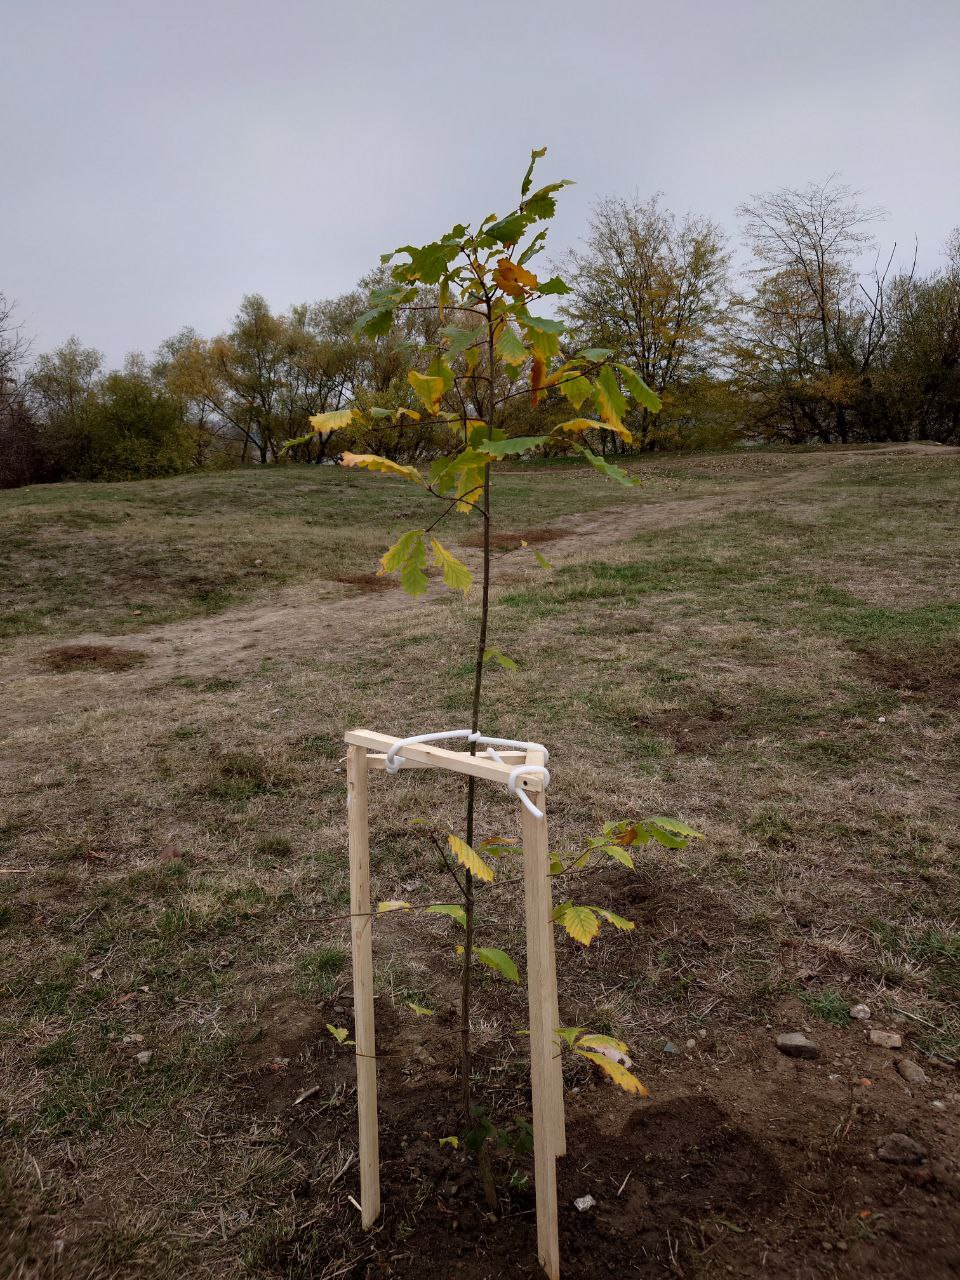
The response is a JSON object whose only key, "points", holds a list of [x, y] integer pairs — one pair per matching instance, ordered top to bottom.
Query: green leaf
{"points": [[535, 155], [542, 204], [508, 230], [534, 247], [429, 262], [555, 285], [374, 323], [542, 334], [459, 339], [509, 347], [594, 354], [575, 388], [639, 390], [380, 413], [292, 444], [518, 444], [607, 468], [408, 557], [542, 560], [456, 575], [501, 659], [677, 827], [666, 838], [619, 854], [452, 910], [496, 959], [420, 1010], [339, 1034], [569, 1034]]}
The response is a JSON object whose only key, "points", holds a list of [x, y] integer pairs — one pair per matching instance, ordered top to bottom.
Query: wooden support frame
{"points": [[366, 750]]}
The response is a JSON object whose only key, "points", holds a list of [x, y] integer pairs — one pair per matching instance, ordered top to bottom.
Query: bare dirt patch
{"points": [[512, 541], [368, 581], [91, 657], [937, 678]]}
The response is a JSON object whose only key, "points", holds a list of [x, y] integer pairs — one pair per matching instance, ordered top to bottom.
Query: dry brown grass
{"points": [[179, 847]]}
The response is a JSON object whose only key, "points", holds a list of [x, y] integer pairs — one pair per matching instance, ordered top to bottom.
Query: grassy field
{"points": [[765, 645]]}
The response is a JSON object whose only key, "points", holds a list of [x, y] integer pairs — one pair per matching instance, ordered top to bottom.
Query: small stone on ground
{"points": [[886, 1039], [796, 1045], [912, 1072]]}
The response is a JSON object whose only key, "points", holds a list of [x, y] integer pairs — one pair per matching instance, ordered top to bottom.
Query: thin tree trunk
{"points": [[486, 1175]]}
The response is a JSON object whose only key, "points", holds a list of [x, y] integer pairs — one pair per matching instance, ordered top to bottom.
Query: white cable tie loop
{"points": [[510, 742], [394, 759], [393, 764], [516, 774]]}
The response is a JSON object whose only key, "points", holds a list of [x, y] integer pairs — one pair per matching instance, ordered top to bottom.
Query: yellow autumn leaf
{"points": [[513, 279], [538, 372], [429, 389], [610, 401], [406, 413], [324, 423], [590, 424], [373, 462], [456, 575], [470, 859], [392, 904], [581, 924], [593, 1040], [618, 1073]]}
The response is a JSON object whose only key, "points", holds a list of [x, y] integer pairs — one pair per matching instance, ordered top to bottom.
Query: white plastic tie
{"points": [[394, 760], [524, 770]]}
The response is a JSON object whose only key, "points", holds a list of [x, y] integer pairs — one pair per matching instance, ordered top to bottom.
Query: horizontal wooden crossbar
{"points": [[428, 756]]}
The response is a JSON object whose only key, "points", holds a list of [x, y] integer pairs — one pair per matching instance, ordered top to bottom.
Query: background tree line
{"points": [[801, 346]]}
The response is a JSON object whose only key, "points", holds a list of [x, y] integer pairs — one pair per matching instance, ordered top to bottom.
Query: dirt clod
{"points": [[900, 1148]]}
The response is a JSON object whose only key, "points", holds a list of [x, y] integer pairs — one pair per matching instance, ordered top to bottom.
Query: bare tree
{"points": [[811, 238], [652, 288], [21, 457]]}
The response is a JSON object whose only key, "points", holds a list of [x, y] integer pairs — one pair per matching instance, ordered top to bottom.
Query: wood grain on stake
{"points": [[362, 945], [550, 979], [541, 995]]}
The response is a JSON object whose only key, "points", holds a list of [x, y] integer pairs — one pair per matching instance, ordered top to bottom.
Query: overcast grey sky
{"points": [[160, 159]]}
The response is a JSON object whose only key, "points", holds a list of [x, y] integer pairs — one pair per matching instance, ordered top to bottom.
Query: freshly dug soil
{"points": [[744, 1163]]}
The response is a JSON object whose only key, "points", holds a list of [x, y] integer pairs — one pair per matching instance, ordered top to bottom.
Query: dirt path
{"points": [[293, 621]]}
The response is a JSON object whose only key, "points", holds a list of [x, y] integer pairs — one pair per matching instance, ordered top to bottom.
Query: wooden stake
{"points": [[361, 934], [550, 983], [541, 994]]}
